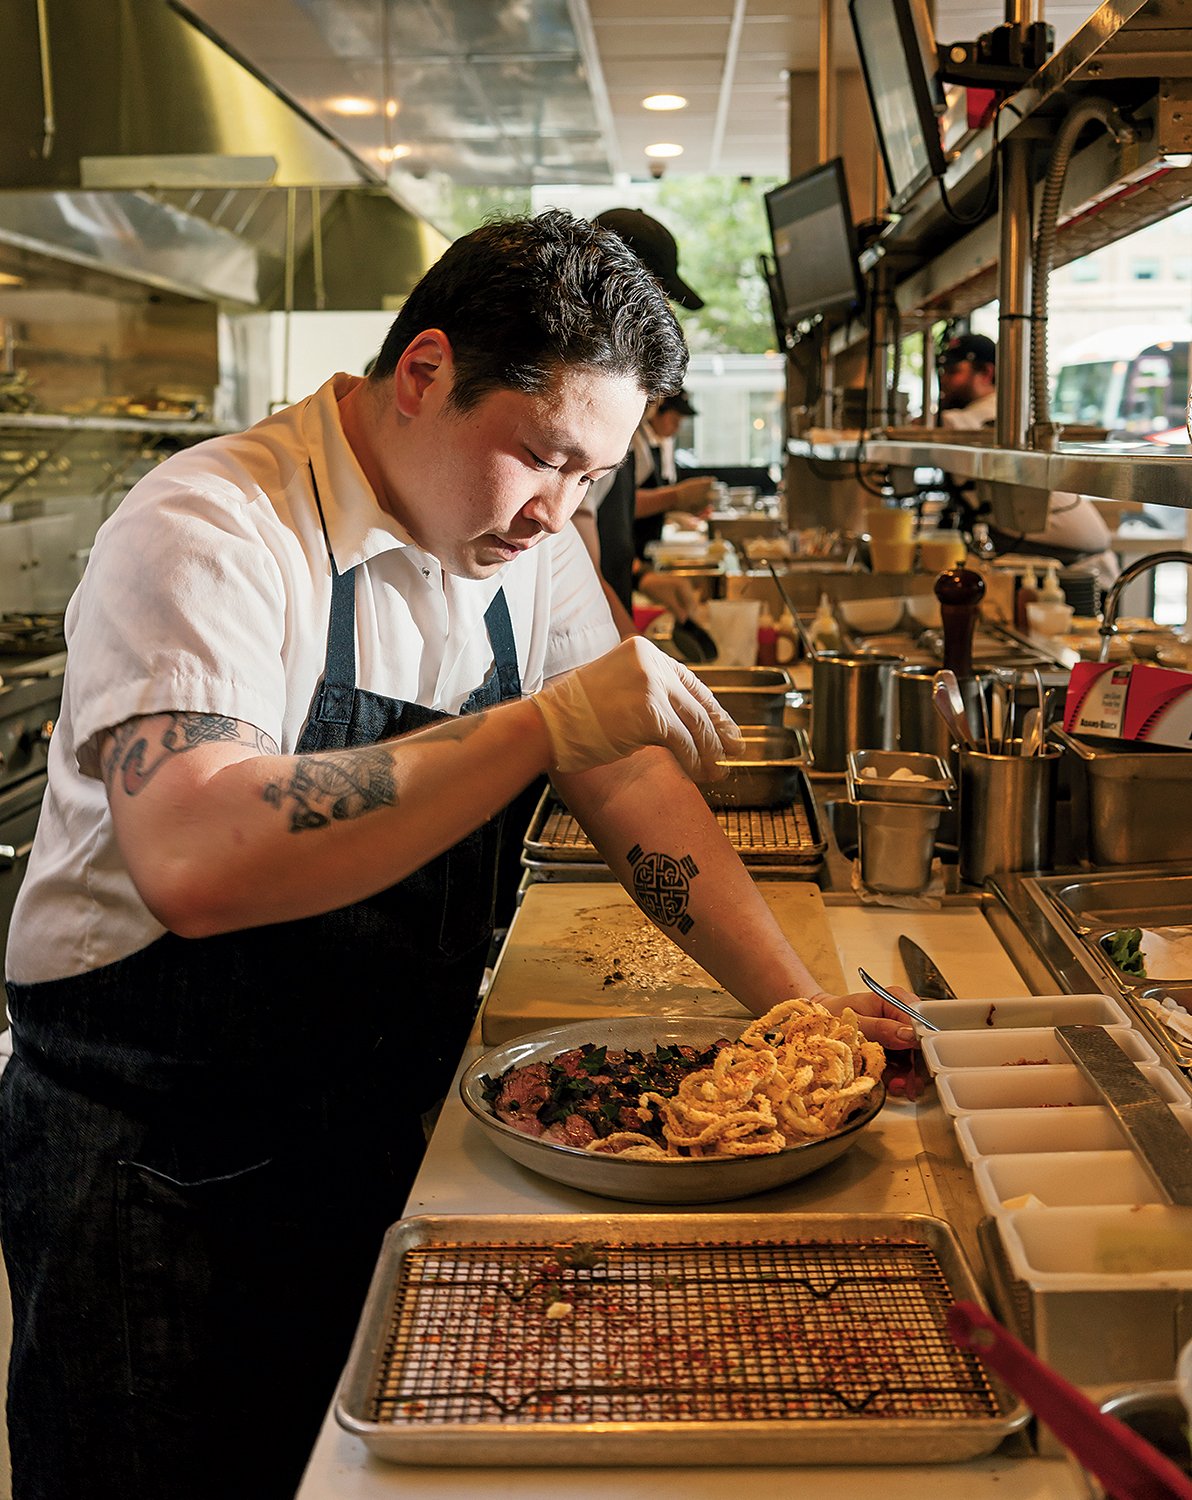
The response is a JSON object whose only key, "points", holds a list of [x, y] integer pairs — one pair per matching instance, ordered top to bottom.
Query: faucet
{"points": [[1128, 575]]}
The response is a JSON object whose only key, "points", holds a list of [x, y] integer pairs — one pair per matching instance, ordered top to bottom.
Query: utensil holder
{"points": [[850, 707], [1007, 811], [897, 843]]}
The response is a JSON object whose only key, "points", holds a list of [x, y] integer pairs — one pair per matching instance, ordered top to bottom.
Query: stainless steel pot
{"points": [[850, 706]]}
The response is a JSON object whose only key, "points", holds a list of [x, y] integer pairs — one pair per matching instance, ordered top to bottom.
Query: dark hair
{"points": [[521, 298]]}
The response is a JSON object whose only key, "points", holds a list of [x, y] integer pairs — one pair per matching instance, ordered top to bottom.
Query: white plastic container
{"points": [[1025, 1010], [1022, 1047], [966, 1090], [1004, 1132], [1063, 1179], [1100, 1249]]}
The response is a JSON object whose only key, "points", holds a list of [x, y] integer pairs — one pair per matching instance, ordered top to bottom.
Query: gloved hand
{"points": [[634, 696]]}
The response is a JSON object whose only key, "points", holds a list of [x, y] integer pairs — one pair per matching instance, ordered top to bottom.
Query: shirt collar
{"points": [[357, 528]]}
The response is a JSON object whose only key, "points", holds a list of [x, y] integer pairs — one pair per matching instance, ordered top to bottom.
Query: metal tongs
{"points": [[907, 1010]]}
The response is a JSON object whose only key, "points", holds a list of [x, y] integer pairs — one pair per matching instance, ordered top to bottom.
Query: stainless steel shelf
{"points": [[64, 422], [1124, 473]]}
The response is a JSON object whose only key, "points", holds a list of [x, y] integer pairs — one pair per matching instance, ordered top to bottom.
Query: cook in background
{"points": [[607, 518], [1076, 531], [308, 665]]}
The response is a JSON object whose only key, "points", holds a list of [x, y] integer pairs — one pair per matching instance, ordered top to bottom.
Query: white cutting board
{"points": [[579, 950]]}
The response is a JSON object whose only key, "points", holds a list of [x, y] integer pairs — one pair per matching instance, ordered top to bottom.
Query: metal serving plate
{"points": [[707, 1180], [645, 1339]]}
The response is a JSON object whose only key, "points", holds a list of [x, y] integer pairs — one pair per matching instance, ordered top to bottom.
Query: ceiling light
{"points": [[664, 101], [349, 105], [391, 108], [663, 149], [393, 153], [7, 279]]}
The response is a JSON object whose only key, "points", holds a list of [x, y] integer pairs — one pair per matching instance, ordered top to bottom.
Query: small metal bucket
{"points": [[850, 706], [897, 843]]}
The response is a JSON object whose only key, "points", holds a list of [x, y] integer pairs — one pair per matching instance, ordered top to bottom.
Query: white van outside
{"points": [[1131, 380]]}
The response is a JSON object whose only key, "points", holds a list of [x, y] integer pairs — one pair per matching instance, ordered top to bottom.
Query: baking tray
{"points": [[789, 836], [659, 1340]]}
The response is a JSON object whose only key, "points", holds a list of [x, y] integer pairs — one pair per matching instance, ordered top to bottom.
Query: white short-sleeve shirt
{"points": [[209, 591]]}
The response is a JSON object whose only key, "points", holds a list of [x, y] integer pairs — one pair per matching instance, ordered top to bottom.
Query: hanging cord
{"points": [[1086, 112], [992, 186]]}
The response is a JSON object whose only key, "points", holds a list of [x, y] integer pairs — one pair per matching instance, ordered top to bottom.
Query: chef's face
{"points": [[497, 478]]}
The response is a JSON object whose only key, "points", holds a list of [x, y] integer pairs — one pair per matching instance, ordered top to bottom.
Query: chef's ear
{"points": [[426, 362]]}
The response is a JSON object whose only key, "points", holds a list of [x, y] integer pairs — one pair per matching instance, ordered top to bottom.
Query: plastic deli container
{"points": [[1025, 1010], [1021, 1047], [1057, 1086], [1084, 1128], [1060, 1179], [1101, 1248]]}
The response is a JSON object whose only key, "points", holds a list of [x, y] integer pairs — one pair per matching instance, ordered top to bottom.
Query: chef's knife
{"points": [[925, 978]]}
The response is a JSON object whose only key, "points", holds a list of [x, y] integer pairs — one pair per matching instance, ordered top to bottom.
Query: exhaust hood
{"points": [[130, 142]]}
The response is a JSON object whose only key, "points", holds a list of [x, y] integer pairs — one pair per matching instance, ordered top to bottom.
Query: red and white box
{"points": [[1096, 701], [1138, 702], [1159, 706]]}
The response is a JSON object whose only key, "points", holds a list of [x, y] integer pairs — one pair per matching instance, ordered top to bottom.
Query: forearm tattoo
{"points": [[139, 748], [334, 787], [662, 887]]}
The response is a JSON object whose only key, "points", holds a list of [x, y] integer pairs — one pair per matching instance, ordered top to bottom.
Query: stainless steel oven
{"points": [[32, 660]]}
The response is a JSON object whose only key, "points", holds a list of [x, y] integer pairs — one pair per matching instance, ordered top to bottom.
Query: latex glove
{"points": [[694, 494], [675, 594], [634, 696]]}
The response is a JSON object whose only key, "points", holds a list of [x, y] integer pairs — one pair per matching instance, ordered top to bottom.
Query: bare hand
{"points": [[693, 494], [675, 594], [880, 1022]]}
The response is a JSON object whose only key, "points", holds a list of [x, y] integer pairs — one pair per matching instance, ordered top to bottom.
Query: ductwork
{"points": [[132, 143]]}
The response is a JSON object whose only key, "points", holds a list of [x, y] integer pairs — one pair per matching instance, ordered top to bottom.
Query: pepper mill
{"points": [[960, 591]]}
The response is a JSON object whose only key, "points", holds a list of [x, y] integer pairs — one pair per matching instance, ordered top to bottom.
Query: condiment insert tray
{"points": [[659, 1340]]}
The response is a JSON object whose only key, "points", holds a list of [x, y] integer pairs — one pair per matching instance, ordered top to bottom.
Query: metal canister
{"points": [[850, 706], [918, 727], [1007, 811]]}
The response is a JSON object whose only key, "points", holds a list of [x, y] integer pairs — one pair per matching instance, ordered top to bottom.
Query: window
{"points": [[1088, 268], [1145, 268]]}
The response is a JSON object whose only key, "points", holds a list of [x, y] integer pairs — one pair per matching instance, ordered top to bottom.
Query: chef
{"points": [[308, 665]]}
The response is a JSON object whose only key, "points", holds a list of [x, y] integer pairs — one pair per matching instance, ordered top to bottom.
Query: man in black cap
{"points": [[655, 245], [968, 380], [606, 519], [1076, 531]]}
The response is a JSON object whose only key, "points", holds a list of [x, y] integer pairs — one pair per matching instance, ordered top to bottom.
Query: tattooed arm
{"points": [[219, 831], [663, 843]]}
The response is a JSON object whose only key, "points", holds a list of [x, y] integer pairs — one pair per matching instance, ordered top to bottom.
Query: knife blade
{"points": [[921, 970]]}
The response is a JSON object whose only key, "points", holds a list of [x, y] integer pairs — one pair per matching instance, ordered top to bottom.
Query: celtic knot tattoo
{"points": [[334, 787], [662, 887]]}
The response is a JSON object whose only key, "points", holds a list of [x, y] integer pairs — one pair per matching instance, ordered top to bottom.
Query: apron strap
{"points": [[339, 673]]}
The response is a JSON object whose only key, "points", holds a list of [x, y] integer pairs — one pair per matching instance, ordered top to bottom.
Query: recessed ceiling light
{"points": [[664, 101], [349, 105], [391, 107], [662, 149], [393, 153], [7, 279]]}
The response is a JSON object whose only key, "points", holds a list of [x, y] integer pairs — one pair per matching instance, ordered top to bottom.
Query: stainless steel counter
{"points": [[893, 1168]]}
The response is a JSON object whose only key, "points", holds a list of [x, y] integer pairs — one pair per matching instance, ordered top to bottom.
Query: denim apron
{"points": [[203, 1143]]}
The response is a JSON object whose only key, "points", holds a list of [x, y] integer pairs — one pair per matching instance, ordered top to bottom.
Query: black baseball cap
{"points": [[654, 245], [978, 348], [679, 402]]}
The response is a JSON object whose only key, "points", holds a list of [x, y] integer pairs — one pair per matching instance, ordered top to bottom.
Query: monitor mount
{"points": [[1005, 57]]}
